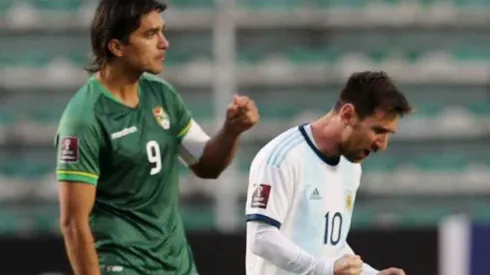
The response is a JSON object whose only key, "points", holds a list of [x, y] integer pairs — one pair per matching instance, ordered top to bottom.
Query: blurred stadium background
{"points": [[291, 57]]}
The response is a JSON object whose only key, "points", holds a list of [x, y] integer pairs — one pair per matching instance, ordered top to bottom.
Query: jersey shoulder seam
{"points": [[162, 82], [85, 99], [283, 148]]}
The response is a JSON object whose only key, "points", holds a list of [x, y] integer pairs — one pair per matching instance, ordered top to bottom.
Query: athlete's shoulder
{"points": [[157, 82], [161, 90], [81, 106], [281, 151], [351, 167], [358, 168], [351, 172], [357, 174]]}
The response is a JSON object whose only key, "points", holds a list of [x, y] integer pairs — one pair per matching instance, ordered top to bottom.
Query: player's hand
{"points": [[241, 115], [348, 265], [392, 271]]}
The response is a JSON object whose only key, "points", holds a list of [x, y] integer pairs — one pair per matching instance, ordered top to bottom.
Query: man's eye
{"points": [[379, 131]]}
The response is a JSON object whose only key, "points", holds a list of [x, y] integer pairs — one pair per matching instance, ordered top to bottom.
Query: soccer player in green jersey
{"points": [[119, 142]]}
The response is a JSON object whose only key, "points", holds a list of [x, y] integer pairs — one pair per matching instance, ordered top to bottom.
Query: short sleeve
{"points": [[184, 116], [78, 145], [269, 194]]}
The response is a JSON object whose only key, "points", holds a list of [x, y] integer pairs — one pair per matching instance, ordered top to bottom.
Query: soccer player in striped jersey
{"points": [[119, 141], [303, 183]]}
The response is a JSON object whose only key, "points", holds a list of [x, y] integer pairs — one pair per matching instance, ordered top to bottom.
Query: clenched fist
{"points": [[241, 115], [348, 265], [392, 271]]}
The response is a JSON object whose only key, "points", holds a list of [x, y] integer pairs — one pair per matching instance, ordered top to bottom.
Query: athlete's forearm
{"points": [[217, 155], [268, 243], [80, 247]]}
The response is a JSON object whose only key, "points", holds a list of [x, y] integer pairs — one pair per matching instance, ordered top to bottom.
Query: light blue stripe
{"points": [[288, 137], [284, 140], [281, 153], [282, 156]]}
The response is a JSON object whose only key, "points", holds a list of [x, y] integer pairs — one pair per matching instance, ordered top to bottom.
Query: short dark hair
{"points": [[116, 19], [370, 91]]}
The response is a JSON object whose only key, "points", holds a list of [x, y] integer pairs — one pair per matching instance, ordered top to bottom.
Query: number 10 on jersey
{"points": [[333, 228]]}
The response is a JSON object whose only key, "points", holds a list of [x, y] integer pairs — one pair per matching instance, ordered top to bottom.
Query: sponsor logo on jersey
{"points": [[161, 117], [124, 132], [69, 150], [315, 195], [260, 196], [112, 268]]}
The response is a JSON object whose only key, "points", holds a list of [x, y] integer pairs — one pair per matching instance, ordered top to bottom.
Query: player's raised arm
{"points": [[208, 157], [77, 171]]}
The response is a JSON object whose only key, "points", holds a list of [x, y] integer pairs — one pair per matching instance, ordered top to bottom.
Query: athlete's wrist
{"points": [[230, 132]]}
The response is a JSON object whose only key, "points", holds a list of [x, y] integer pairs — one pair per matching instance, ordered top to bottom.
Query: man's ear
{"points": [[116, 47], [348, 114]]}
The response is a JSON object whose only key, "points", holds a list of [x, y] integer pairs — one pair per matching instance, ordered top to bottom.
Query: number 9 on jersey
{"points": [[154, 156]]}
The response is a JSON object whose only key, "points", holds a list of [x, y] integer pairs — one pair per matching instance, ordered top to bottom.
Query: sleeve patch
{"points": [[69, 151], [260, 196]]}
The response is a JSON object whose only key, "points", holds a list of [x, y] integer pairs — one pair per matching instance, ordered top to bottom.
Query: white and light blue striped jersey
{"points": [[310, 198]]}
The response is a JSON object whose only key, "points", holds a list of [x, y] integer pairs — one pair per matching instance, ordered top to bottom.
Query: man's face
{"points": [[147, 45], [361, 137]]}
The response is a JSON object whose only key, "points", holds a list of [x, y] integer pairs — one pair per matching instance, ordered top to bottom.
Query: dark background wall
{"points": [[217, 254]]}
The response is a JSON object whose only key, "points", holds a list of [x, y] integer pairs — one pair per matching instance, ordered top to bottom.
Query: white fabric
{"points": [[193, 144], [308, 200], [267, 242], [366, 269], [369, 270]]}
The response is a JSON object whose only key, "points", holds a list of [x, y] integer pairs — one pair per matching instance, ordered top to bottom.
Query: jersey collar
{"points": [[109, 95], [309, 141]]}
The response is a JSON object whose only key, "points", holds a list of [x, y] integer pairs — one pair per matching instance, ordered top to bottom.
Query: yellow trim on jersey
{"points": [[186, 129], [77, 173]]}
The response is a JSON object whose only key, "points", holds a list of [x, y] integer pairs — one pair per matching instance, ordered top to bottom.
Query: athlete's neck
{"points": [[121, 83], [326, 133]]}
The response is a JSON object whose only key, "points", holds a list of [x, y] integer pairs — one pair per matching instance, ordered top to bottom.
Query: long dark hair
{"points": [[116, 19]]}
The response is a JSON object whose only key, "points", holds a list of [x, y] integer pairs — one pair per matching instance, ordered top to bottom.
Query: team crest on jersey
{"points": [[161, 117], [260, 196], [348, 201]]}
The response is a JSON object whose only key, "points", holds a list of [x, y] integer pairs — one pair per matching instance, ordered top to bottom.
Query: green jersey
{"points": [[131, 155]]}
